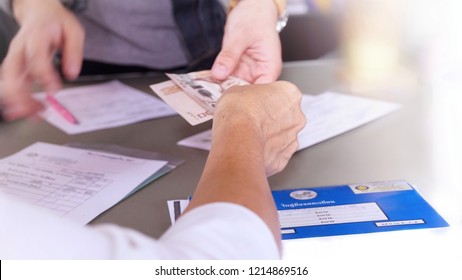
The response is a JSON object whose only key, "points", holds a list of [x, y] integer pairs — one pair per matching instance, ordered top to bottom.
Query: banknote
{"points": [[203, 89], [194, 95], [181, 102]]}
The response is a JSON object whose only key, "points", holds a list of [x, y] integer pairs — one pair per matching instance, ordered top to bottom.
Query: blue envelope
{"points": [[353, 209]]}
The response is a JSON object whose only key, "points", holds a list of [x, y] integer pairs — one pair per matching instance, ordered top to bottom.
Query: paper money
{"points": [[202, 88], [172, 94], [194, 95]]}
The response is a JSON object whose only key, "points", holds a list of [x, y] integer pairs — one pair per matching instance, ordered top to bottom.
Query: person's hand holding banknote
{"points": [[194, 95]]}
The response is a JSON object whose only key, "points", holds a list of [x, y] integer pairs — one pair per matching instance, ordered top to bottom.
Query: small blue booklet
{"points": [[353, 209]]}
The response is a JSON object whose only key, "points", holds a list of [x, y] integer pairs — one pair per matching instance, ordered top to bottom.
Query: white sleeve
{"points": [[220, 231], [27, 232]]}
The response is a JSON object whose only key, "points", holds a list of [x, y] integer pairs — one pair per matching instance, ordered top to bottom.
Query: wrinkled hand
{"points": [[46, 27], [251, 46], [272, 112]]}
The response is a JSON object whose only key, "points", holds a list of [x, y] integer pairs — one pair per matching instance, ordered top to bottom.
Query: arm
{"points": [[74, 5], [46, 27], [251, 46], [254, 135]]}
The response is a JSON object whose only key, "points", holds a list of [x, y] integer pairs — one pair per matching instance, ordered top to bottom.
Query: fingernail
{"points": [[220, 70], [73, 71]]}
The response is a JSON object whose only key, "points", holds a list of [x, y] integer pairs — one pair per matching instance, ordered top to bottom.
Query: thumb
{"points": [[227, 59]]}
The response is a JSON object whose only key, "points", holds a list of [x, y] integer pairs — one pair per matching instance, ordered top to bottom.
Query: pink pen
{"points": [[61, 109]]}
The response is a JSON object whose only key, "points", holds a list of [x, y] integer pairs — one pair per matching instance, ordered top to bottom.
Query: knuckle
{"points": [[228, 54]]}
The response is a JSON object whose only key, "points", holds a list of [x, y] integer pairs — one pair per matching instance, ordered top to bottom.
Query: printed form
{"points": [[101, 106], [329, 114], [76, 183], [351, 213]]}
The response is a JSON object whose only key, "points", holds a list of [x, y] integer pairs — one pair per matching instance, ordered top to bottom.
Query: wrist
{"points": [[278, 6], [281, 6], [21, 8], [234, 127]]}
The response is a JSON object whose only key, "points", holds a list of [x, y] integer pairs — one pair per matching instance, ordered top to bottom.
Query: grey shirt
{"points": [[136, 32]]}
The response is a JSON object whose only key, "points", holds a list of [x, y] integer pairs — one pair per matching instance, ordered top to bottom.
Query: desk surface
{"points": [[397, 146]]}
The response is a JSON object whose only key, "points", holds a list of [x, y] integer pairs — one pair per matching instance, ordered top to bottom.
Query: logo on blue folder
{"points": [[303, 194]]}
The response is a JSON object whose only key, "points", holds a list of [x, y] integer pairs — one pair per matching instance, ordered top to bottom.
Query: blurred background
{"points": [[319, 35], [374, 39]]}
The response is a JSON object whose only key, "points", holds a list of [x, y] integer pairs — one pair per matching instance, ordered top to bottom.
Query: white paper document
{"points": [[104, 105], [329, 114], [76, 183]]}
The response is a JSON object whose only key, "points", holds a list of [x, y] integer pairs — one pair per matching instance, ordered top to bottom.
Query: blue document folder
{"points": [[353, 209]]}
